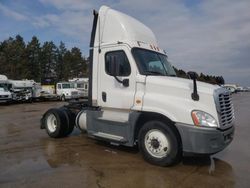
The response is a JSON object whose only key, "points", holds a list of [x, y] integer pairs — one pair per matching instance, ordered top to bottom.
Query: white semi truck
{"points": [[135, 98]]}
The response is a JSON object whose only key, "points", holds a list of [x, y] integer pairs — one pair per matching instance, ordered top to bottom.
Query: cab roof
{"points": [[114, 26]]}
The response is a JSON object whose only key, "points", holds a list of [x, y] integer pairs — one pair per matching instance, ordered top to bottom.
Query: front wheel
{"points": [[63, 98], [159, 144]]}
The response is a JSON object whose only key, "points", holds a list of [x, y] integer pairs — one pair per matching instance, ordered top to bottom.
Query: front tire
{"points": [[63, 98], [159, 144]]}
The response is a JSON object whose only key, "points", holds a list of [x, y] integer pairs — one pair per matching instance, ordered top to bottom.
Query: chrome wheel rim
{"points": [[51, 123], [156, 143]]}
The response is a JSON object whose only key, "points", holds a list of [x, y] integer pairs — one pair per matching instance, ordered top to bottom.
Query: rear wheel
{"points": [[70, 120], [51, 123], [58, 123], [159, 144]]}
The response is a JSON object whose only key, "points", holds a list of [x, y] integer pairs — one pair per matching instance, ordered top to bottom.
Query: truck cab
{"points": [[81, 84], [66, 90], [5, 95], [135, 97]]}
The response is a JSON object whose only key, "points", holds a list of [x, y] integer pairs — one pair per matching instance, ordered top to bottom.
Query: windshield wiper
{"points": [[154, 73]]}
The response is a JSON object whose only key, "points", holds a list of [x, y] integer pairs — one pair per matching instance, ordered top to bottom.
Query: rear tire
{"points": [[70, 120], [58, 123], [159, 144]]}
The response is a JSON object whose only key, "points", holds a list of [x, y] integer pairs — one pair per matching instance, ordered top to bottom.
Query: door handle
{"points": [[104, 96]]}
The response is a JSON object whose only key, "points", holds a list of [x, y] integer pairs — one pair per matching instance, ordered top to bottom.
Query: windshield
{"points": [[152, 63], [67, 85], [80, 85], [3, 89]]}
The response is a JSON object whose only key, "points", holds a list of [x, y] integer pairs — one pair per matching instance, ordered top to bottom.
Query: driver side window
{"points": [[121, 59]]}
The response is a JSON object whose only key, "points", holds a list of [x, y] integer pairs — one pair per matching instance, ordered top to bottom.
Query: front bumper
{"points": [[72, 97], [5, 100], [204, 141]]}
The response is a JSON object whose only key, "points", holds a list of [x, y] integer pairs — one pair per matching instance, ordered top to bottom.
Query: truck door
{"points": [[59, 89], [113, 95], [114, 98]]}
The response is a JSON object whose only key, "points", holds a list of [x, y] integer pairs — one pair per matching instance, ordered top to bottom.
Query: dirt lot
{"points": [[29, 158]]}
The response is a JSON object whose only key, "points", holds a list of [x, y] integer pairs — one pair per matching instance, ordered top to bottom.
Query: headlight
{"points": [[201, 118]]}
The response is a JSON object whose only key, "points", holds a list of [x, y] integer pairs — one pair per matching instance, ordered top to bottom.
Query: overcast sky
{"points": [[209, 36]]}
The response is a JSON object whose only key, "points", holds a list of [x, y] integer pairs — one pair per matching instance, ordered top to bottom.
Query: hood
{"points": [[181, 84], [70, 89], [5, 93], [171, 96]]}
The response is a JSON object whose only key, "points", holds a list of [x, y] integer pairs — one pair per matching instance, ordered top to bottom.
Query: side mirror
{"points": [[114, 70], [194, 76], [220, 81], [125, 82]]}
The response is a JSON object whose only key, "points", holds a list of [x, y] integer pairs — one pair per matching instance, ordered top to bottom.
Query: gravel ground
{"points": [[29, 158]]}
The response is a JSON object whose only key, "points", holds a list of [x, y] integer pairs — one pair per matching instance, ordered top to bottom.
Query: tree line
{"points": [[36, 61], [39, 62], [219, 80]]}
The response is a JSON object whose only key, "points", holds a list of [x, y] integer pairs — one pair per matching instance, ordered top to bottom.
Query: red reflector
{"points": [[195, 119]]}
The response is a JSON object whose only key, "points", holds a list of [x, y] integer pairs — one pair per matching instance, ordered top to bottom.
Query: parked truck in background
{"points": [[81, 84], [231, 87], [21, 90], [29, 90], [52, 90], [66, 91], [5, 95], [135, 98]]}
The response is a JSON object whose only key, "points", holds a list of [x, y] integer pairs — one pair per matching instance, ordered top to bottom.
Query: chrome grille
{"points": [[74, 93], [3, 96], [226, 111]]}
